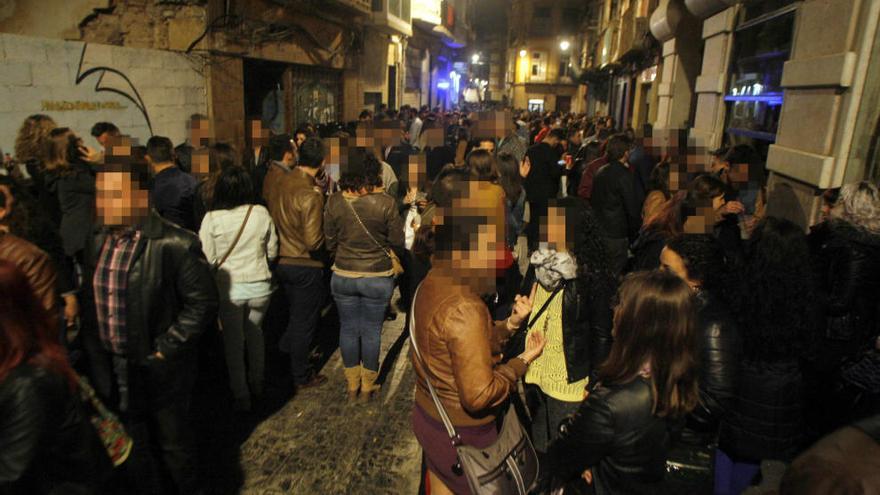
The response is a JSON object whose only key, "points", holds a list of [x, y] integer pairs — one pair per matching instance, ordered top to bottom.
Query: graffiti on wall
{"points": [[111, 80]]}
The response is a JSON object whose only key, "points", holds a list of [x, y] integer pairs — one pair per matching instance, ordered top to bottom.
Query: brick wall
{"points": [[39, 75]]}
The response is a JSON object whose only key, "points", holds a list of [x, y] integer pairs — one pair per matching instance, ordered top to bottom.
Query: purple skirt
{"points": [[440, 455]]}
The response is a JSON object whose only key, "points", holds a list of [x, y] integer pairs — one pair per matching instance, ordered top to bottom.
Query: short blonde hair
{"points": [[860, 203]]}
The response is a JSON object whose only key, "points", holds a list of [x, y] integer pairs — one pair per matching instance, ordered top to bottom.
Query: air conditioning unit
{"points": [[393, 16]]}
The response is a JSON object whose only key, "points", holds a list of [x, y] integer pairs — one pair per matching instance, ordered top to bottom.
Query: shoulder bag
{"points": [[234, 241], [396, 265], [110, 430], [507, 467]]}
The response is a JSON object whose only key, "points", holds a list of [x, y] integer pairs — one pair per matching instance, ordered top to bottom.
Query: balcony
{"points": [[392, 16], [632, 36]]}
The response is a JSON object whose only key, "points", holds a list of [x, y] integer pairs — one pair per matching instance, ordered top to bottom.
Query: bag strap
{"points": [[358, 218], [237, 237], [546, 303], [447, 423]]}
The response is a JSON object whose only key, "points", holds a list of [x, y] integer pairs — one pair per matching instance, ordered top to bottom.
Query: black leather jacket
{"points": [[614, 202], [354, 249], [847, 262], [171, 298], [586, 326], [720, 351], [615, 434], [47, 444]]}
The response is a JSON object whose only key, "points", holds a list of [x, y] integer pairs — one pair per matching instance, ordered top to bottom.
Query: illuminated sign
{"points": [[427, 10]]}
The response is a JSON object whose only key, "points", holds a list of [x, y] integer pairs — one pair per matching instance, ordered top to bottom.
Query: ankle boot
{"points": [[353, 381], [368, 383]]}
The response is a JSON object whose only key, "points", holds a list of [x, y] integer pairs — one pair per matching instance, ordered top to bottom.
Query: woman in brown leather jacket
{"points": [[458, 341]]}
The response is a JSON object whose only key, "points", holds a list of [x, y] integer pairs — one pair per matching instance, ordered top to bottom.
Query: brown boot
{"points": [[353, 381], [368, 383]]}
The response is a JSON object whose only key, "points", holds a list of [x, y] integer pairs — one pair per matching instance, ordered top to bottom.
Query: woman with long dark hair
{"points": [[70, 177], [239, 240], [699, 260], [574, 280], [775, 312], [619, 438], [48, 443]]}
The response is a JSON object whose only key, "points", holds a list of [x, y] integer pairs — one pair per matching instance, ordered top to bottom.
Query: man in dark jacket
{"points": [[542, 182], [173, 189], [614, 201], [148, 296]]}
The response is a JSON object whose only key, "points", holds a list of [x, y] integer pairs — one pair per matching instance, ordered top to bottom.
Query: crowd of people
{"points": [[626, 295]]}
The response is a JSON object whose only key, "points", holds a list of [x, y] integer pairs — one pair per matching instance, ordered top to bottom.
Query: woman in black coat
{"points": [[71, 178], [846, 258], [699, 260], [573, 286], [775, 311], [618, 440], [48, 444]]}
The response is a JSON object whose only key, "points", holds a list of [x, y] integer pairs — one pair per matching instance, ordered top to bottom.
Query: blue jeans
{"points": [[305, 289], [361, 303], [731, 476]]}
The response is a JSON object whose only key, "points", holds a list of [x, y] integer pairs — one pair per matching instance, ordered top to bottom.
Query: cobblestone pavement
{"points": [[314, 442], [321, 443]]}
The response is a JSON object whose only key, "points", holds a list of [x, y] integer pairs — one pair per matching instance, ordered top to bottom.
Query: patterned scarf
{"points": [[551, 267]]}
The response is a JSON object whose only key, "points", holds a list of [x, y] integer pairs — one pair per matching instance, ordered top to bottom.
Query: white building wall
{"points": [[145, 92]]}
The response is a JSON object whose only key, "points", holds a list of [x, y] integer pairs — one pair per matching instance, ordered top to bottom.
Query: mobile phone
{"points": [[561, 163]]}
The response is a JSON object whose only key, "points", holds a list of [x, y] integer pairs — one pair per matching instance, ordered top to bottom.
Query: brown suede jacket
{"points": [[297, 208], [36, 265], [460, 345]]}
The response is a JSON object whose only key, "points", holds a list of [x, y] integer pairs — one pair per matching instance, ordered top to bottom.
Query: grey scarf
{"points": [[552, 267]]}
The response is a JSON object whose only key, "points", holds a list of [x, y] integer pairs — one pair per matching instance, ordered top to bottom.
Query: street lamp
{"points": [[564, 45], [522, 53], [475, 58]]}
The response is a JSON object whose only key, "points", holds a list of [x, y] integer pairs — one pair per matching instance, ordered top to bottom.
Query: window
{"points": [[542, 22], [538, 66], [754, 96], [536, 105]]}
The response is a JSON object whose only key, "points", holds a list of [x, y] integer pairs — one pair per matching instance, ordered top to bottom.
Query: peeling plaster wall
{"points": [[140, 88]]}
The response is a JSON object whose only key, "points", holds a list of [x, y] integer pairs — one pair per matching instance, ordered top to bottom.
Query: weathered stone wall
{"points": [[78, 84]]}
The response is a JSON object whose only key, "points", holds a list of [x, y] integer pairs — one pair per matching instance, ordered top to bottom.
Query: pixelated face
{"points": [[492, 125], [199, 132], [386, 133], [259, 134], [432, 137], [118, 149], [201, 162], [416, 173], [738, 173], [676, 179], [120, 202], [481, 211], [553, 230]]}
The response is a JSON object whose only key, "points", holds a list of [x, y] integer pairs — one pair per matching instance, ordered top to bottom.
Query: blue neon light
{"points": [[443, 85], [773, 100]]}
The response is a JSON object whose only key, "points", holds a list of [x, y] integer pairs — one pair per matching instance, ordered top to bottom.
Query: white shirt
{"points": [[249, 261]]}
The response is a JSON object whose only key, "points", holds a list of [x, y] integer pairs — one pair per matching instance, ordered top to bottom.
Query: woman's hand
{"points": [[90, 155], [525, 167], [410, 195], [732, 207], [522, 306], [71, 309], [534, 346]]}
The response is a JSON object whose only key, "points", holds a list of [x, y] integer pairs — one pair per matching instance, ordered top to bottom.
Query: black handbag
{"points": [[507, 467]]}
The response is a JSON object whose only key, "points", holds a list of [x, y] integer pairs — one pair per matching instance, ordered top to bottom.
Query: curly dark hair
{"points": [[705, 261], [594, 267], [775, 295]]}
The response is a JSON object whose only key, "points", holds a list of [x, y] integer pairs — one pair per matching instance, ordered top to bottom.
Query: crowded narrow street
{"points": [[439, 247]]}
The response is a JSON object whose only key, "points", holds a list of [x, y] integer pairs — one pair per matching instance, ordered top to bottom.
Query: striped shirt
{"points": [[110, 284]]}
